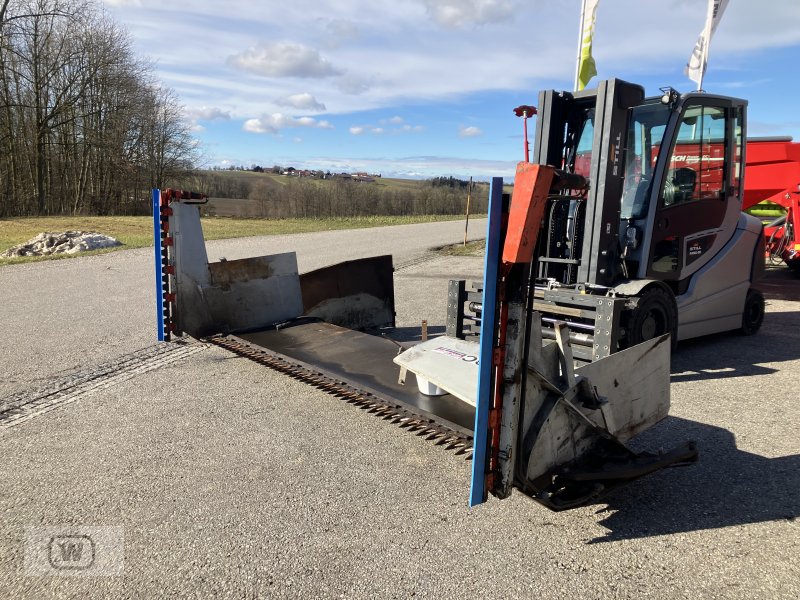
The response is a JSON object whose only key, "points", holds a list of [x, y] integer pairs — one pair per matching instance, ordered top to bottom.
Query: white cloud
{"points": [[459, 13], [340, 31], [403, 53], [400, 58], [283, 59], [757, 83], [352, 85], [304, 101], [208, 113], [275, 122], [400, 125], [362, 129], [379, 129], [470, 131]]}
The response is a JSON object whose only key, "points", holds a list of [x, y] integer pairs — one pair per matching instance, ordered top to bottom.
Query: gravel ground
{"points": [[231, 480]]}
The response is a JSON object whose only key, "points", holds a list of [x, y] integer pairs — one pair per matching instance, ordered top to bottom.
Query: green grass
{"points": [[385, 182], [137, 232], [475, 248]]}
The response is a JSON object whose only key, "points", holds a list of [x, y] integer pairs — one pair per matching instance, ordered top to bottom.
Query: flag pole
{"points": [[580, 45], [466, 222]]}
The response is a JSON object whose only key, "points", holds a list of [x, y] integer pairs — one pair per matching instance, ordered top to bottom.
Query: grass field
{"points": [[396, 183], [137, 232]]}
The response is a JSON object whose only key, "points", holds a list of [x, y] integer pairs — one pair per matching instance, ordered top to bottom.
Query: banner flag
{"points": [[586, 65], [696, 67]]}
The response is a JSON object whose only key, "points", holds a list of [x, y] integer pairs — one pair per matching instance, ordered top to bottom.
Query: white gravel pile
{"points": [[66, 242]]}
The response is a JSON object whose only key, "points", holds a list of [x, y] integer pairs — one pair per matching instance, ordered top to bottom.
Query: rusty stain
{"points": [[226, 272]]}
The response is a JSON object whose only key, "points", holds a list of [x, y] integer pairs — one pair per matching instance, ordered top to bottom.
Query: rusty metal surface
{"points": [[243, 269], [357, 294], [358, 368]]}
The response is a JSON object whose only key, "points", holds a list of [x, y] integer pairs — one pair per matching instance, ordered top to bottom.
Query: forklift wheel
{"points": [[655, 314], [753, 314]]}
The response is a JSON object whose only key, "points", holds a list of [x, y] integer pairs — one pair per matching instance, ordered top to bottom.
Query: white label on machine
{"points": [[456, 354], [444, 364]]}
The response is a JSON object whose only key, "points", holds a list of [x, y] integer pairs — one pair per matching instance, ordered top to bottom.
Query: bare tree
{"points": [[83, 125]]}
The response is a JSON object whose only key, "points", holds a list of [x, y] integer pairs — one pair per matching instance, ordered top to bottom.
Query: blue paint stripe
{"points": [[159, 265], [491, 267]]}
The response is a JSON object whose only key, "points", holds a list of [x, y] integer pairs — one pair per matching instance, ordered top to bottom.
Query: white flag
{"points": [[696, 67]]}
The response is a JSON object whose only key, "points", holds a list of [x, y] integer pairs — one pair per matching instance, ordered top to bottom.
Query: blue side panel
{"points": [[159, 264], [491, 265]]}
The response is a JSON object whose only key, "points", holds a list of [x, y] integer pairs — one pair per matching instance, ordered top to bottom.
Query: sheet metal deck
{"points": [[363, 360]]}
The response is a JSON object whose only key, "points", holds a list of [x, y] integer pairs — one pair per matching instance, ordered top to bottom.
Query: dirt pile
{"points": [[66, 242]]}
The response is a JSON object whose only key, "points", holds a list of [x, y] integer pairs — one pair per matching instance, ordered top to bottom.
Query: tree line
{"points": [[85, 128], [450, 181], [291, 197], [342, 198]]}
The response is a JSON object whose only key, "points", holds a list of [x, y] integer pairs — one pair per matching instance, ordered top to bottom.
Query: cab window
{"points": [[697, 163]]}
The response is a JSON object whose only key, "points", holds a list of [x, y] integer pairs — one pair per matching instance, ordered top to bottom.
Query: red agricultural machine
{"points": [[772, 191]]}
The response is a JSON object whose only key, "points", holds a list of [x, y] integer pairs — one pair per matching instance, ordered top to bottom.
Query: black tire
{"points": [[753, 313], [655, 314]]}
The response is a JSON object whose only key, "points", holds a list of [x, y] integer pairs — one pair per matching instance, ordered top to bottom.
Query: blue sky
{"points": [[419, 88]]}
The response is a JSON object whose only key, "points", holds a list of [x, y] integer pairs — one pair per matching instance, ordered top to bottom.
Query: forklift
{"points": [[653, 222]]}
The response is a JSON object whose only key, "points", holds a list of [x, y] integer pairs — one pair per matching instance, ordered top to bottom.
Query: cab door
{"points": [[698, 200]]}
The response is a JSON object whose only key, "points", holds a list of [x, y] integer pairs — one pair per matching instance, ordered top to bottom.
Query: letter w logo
{"points": [[71, 552]]}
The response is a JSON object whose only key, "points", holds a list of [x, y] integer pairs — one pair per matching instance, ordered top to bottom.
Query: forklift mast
{"points": [[585, 133]]}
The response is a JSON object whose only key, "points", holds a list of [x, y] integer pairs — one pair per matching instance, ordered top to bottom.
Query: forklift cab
{"points": [[682, 195]]}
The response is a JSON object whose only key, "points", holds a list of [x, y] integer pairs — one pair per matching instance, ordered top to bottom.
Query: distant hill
{"points": [[271, 195]]}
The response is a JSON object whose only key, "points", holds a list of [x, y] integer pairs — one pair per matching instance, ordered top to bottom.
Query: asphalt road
{"points": [[231, 480]]}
